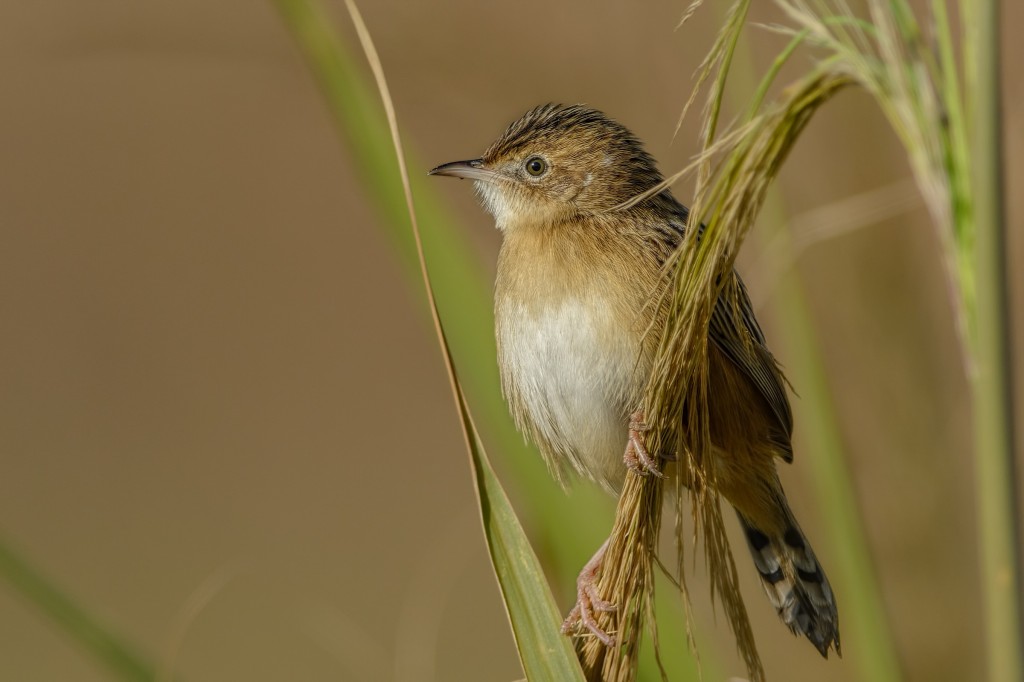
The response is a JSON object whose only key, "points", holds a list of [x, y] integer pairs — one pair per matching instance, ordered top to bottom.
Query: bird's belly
{"points": [[569, 371]]}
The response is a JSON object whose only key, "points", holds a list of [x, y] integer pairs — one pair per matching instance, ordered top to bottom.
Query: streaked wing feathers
{"points": [[745, 347]]}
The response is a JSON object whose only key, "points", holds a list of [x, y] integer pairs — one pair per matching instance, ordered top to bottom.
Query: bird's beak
{"points": [[468, 170]]}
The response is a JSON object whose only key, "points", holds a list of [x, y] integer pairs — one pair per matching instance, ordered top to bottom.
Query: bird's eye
{"points": [[536, 166]]}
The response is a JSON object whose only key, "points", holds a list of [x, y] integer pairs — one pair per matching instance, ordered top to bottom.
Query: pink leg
{"points": [[637, 459], [588, 601]]}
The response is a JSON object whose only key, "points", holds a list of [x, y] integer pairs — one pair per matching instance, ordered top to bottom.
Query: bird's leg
{"points": [[637, 459], [588, 601]]}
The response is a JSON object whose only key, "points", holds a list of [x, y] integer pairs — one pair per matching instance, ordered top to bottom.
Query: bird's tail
{"points": [[794, 581]]}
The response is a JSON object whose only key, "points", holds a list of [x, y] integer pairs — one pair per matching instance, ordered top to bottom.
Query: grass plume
{"points": [[917, 88]]}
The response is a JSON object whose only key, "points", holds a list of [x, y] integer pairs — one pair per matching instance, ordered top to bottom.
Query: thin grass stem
{"points": [[994, 428], [110, 650]]}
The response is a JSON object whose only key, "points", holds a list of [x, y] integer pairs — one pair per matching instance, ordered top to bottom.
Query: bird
{"points": [[578, 305]]}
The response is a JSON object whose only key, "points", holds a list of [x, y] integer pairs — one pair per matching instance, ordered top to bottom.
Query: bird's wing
{"points": [[735, 331]]}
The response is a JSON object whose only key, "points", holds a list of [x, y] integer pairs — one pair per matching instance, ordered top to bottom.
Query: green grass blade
{"points": [[766, 82], [111, 651], [544, 652]]}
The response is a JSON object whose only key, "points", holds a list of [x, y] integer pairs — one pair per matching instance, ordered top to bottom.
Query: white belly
{"points": [[567, 371]]}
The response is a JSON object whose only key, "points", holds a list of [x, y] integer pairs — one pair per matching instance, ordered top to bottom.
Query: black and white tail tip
{"points": [[795, 584]]}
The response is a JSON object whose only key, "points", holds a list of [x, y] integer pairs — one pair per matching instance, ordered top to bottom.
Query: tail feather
{"points": [[795, 583]]}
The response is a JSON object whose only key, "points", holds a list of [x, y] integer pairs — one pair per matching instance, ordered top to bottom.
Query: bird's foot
{"points": [[637, 459], [588, 601]]}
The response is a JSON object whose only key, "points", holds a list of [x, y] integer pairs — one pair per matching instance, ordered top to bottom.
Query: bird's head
{"points": [[557, 163]]}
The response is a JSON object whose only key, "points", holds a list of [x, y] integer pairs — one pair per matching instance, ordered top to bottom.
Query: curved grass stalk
{"points": [[544, 653]]}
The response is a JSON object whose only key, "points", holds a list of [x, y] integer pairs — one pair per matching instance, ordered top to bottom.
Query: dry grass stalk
{"points": [[745, 162], [627, 579]]}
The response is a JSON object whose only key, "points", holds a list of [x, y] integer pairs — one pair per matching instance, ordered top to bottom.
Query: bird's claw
{"points": [[636, 457], [588, 600]]}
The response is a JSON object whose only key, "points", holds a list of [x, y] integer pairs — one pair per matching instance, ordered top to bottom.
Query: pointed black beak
{"points": [[468, 170]]}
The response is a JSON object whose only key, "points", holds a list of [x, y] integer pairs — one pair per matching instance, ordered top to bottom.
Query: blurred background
{"points": [[224, 424]]}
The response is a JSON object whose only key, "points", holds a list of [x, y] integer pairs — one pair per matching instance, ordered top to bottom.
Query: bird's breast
{"points": [[569, 354]]}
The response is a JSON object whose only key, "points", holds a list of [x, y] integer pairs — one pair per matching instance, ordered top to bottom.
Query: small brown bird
{"points": [[578, 318]]}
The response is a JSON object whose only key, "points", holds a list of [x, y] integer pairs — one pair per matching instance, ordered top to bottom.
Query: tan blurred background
{"points": [[224, 425]]}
